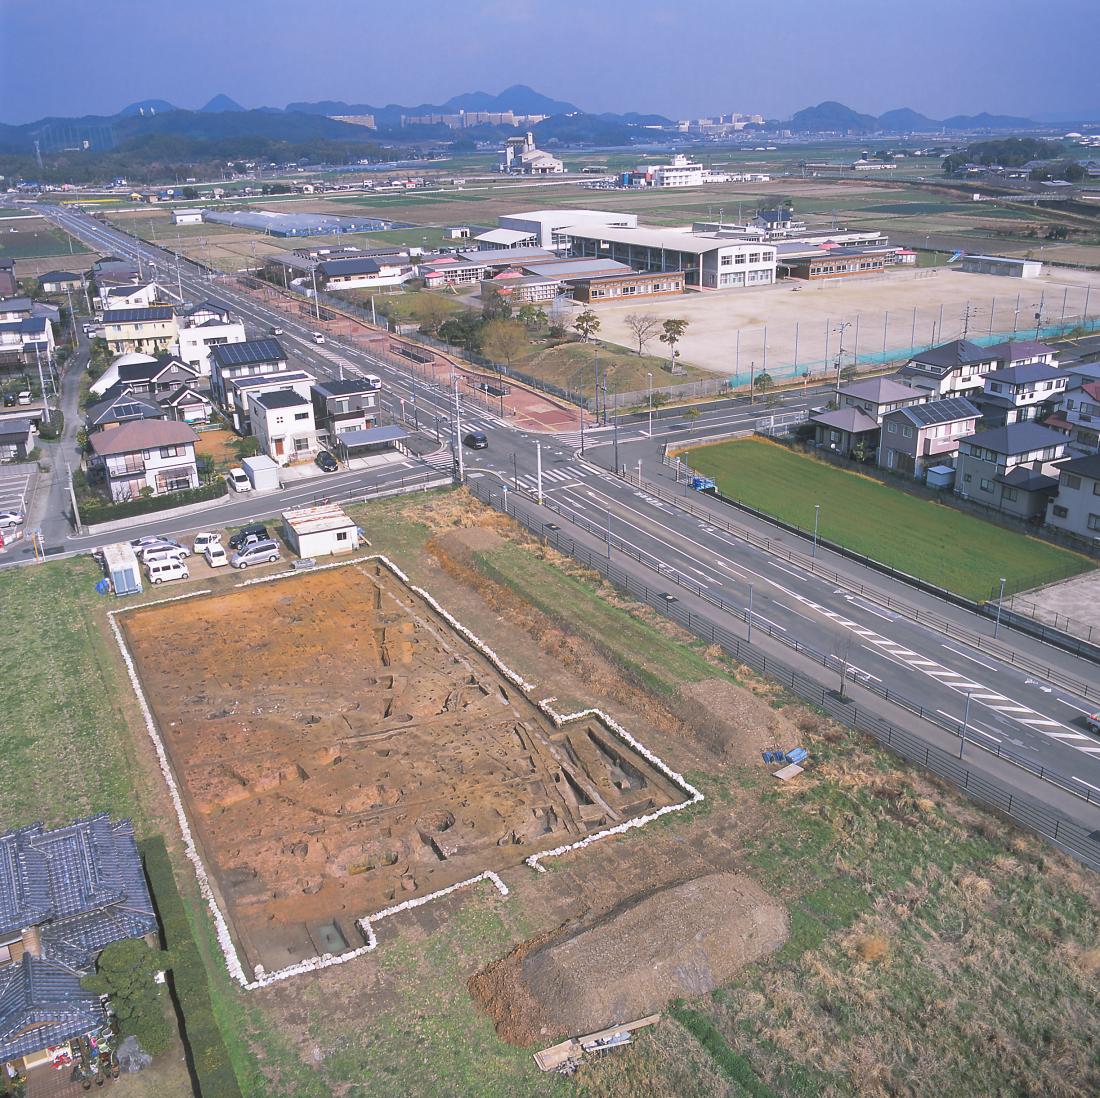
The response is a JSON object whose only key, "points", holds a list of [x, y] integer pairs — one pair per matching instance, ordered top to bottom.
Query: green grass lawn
{"points": [[937, 543], [66, 748]]}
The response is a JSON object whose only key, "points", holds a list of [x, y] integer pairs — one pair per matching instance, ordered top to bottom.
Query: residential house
{"points": [[112, 271], [348, 274], [60, 282], [8, 283], [130, 297], [15, 308], [205, 326], [151, 330], [23, 339], [1024, 352], [253, 356], [951, 369], [109, 378], [158, 378], [239, 391], [1013, 394], [188, 404], [348, 405], [121, 406], [1077, 415], [283, 424], [853, 426], [918, 436], [16, 438], [146, 453], [1010, 468], [1076, 507], [65, 894]]}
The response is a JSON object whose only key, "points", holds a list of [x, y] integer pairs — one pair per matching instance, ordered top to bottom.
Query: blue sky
{"points": [[940, 57]]}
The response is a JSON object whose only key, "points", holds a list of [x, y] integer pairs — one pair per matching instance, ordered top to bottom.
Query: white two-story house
{"points": [[1014, 394], [282, 422], [147, 453]]}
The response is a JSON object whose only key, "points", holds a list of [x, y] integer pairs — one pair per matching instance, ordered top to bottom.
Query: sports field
{"points": [[955, 550]]}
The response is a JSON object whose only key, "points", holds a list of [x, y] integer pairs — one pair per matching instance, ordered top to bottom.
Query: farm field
{"points": [[35, 239], [937, 543], [893, 892]]}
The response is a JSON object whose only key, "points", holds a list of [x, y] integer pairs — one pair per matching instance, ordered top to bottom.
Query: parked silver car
{"points": [[260, 552]]}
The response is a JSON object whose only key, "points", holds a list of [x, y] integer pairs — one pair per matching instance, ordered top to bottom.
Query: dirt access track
{"points": [[340, 747]]}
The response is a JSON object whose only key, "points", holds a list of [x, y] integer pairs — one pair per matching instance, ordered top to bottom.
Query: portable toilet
{"points": [[263, 473], [123, 569]]}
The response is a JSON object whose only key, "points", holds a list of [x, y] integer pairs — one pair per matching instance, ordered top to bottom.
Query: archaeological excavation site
{"points": [[340, 748]]}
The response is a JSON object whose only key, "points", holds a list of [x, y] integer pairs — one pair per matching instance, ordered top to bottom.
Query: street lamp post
{"points": [[649, 375], [817, 519], [609, 536], [1000, 603], [750, 614], [966, 722]]}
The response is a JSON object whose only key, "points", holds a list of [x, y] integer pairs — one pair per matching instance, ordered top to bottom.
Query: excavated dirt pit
{"points": [[341, 748]]}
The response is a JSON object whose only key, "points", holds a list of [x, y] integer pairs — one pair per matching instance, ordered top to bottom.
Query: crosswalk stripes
{"points": [[573, 438], [442, 459], [568, 474]]}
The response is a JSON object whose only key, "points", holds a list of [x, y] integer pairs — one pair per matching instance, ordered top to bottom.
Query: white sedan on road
{"points": [[8, 519]]}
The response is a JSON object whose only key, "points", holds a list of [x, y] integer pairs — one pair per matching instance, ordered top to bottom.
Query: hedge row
{"points": [[57, 425], [94, 510], [210, 1064]]}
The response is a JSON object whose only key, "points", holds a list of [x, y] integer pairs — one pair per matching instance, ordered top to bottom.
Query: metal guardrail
{"points": [[1072, 645], [1070, 836]]}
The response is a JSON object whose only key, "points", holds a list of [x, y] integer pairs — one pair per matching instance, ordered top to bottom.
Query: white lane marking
{"points": [[783, 568], [855, 600], [756, 614], [968, 656], [1012, 708], [1087, 712], [1040, 721], [969, 728], [1069, 735], [1083, 782]]}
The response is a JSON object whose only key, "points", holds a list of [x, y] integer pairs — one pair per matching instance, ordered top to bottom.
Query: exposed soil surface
{"points": [[342, 749], [684, 940]]}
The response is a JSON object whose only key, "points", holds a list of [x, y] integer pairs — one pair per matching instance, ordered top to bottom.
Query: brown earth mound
{"points": [[734, 721], [684, 940]]}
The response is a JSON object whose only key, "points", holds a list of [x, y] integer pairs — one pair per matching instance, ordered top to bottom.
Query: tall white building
{"points": [[519, 155], [680, 173]]}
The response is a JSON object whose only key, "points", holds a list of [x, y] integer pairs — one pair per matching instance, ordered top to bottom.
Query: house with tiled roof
{"points": [[951, 369], [145, 453], [1012, 469], [65, 894]]}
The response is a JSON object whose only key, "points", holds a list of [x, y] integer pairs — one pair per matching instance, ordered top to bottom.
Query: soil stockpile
{"points": [[684, 940]]}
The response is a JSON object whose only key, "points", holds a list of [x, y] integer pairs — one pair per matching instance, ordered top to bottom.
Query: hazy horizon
{"points": [[620, 55]]}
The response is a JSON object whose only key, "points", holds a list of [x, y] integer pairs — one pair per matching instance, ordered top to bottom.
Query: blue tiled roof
{"points": [[83, 886], [43, 1004]]}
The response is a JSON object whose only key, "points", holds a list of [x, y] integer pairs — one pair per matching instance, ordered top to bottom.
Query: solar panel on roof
{"points": [[253, 350], [128, 411]]}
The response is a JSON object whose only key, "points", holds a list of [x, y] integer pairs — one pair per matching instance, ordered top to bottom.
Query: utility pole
{"points": [[316, 301], [844, 326], [42, 384], [649, 386], [458, 434], [538, 471], [72, 497], [1000, 603], [749, 618], [966, 721]]}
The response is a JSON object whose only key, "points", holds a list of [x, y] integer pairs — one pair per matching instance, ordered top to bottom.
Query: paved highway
{"points": [[1007, 707]]}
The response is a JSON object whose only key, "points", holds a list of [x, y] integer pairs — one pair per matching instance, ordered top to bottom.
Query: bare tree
{"points": [[644, 326], [504, 340]]}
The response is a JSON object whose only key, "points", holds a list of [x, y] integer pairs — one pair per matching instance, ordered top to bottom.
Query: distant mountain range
{"points": [[831, 117], [223, 119]]}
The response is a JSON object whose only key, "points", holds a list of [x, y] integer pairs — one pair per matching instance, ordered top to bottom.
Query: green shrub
{"points": [[56, 425], [94, 510], [125, 971], [209, 1058]]}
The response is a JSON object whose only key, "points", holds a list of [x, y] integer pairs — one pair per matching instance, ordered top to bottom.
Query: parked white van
{"points": [[238, 480], [215, 555], [159, 571]]}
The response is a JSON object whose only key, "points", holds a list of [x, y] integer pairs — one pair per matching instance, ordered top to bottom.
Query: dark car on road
{"points": [[477, 440], [326, 461], [246, 535]]}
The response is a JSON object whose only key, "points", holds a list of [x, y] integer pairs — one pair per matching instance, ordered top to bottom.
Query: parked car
{"points": [[276, 330], [318, 337], [24, 397], [9, 400], [477, 440], [327, 462], [238, 481], [9, 519], [253, 532], [203, 539], [148, 545], [260, 552], [157, 553], [215, 555], [159, 571]]}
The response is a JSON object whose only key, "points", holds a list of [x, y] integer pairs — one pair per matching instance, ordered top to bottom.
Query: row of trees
{"points": [[644, 327]]}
